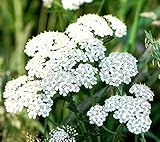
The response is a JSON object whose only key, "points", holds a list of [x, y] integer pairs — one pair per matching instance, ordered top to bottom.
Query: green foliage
{"points": [[149, 40]]}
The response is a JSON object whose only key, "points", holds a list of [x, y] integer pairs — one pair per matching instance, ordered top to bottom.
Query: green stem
{"points": [[100, 7], [43, 19], [52, 22], [61, 22], [133, 33], [17, 59], [120, 89], [103, 93], [92, 96], [74, 109], [54, 123], [45, 128], [83, 129], [109, 131], [152, 135], [98, 136], [115, 138], [136, 138], [143, 138], [98, 139]]}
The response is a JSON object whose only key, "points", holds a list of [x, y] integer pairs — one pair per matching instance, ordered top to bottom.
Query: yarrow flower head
{"points": [[47, 3], [74, 4], [95, 24], [118, 26], [92, 47], [52, 57], [57, 62], [60, 63], [118, 68], [85, 73], [142, 91], [23, 93], [127, 109], [133, 111], [97, 115], [64, 134]]}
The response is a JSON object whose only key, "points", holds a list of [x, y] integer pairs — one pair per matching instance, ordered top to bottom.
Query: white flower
{"points": [[47, 3], [74, 4], [149, 14], [95, 24], [118, 26], [47, 42], [92, 47], [49, 48], [56, 60], [35, 66], [118, 68], [85, 74], [62, 82], [65, 82], [142, 91], [21, 92], [112, 103], [132, 111], [97, 115], [139, 125], [64, 134]]}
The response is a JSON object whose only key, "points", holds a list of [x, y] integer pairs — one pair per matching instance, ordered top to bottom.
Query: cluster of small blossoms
{"points": [[47, 3], [74, 4], [92, 23], [118, 26], [85, 31], [92, 47], [41, 51], [54, 55], [61, 63], [118, 68], [85, 73], [142, 91], [23, 93], [127, 109], [132, 111], [97, 115], [64, 134]]}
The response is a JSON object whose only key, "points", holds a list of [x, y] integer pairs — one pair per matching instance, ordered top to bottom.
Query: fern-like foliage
{"points": [[150, 41]]}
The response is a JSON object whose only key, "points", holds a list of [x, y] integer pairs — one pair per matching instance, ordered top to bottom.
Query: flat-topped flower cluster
{"points": [[67, 4], [60, 63], [134, 111], [63, 134]]}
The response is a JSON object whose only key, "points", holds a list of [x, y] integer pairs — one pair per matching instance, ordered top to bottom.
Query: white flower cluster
{"points": [[47, 3], [74, 4], [91, 23], [118, 26], [92, 47], [53, 59], [61, 63], [118, 68], [85, 73], [142, 91], [21, 92], [127, 109], [133, 111], [97, 115], [64, 134]]}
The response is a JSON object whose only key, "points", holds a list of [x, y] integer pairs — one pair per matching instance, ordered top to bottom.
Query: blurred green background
{"points": [[22, 19]]}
